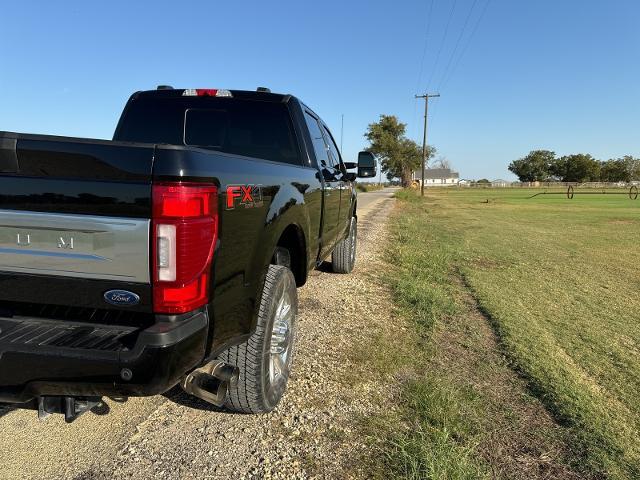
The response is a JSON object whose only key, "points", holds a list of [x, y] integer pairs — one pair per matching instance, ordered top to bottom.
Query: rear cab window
{"points": [[252, 128]]}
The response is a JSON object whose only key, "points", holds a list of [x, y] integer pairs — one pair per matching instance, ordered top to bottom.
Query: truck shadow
{"points": [[325, 267], [180, 397], [101, 409], [5, 411]]}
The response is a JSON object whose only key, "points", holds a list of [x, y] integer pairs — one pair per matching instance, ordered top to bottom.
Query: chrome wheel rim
{"points": [[281, 339]]}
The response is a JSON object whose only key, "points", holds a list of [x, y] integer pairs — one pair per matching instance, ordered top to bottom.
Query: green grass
{"points": [[558, 280], [436, 429], [443, 433]]}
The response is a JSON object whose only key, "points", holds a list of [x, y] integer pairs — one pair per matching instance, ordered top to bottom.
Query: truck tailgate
{"points": [[74, 219]]}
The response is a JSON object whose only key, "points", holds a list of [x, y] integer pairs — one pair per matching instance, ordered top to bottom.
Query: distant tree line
{"points": [[543, 165]]}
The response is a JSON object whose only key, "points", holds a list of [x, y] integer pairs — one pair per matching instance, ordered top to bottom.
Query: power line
{"points": [[444, 37], [426, 42], [466, 46], [455, 48], [424, 53], [435, 110]]}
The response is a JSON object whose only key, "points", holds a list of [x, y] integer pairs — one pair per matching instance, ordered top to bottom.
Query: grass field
{"points": [[558, 281]]}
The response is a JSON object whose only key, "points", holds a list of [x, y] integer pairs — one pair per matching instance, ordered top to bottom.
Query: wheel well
{"points": [[292, 240]]}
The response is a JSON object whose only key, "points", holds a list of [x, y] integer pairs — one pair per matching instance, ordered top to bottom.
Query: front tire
{"points": [[343, 257], [265, 359]]}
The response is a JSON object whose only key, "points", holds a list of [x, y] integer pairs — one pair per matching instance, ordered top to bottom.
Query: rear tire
{"points": [[343, 257], [265, 359]]}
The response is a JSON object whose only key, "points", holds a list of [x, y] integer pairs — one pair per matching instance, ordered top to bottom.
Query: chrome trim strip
{"points": [[82, 246], [81, 256]]}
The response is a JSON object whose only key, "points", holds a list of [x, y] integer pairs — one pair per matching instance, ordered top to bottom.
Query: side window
{"points": [[318, 141], [333, 149]]}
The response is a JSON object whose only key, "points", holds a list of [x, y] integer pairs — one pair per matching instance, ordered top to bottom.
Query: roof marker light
{"points": [[206, 92]]}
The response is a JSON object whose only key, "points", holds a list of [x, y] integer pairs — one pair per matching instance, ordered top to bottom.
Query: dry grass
{"points": [[368, 187], [556, 281], [459, 410]]}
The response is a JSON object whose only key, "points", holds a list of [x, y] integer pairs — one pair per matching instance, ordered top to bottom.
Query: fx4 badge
{"points": [[247, 196]]}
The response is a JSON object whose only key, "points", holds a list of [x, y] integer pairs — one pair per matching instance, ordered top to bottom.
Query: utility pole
{"points": [[426, 97], [341, 133]]}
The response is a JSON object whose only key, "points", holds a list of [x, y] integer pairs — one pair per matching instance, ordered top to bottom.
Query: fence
{"points": [[557, 185]]}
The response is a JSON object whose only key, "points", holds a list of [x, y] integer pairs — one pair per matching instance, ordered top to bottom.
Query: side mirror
{"points": [[366, 165], [350, 176]]}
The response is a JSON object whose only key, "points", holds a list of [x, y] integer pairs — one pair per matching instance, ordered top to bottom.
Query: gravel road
{"points": [[309, 435]]}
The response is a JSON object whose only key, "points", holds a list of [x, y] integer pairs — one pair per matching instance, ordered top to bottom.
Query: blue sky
{"points": [[562, 75]]}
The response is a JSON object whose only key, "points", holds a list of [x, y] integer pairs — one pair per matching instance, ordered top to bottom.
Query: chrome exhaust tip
{"points": [[210, 382]]}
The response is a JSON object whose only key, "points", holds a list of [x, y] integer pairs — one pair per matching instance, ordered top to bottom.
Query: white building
{"points": [[437, 177], [499, 182]]}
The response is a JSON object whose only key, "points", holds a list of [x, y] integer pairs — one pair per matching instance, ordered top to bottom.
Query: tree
{"points": [[399, 155], [441, 162], [534, 167], [579, 167], [634, 167], [625, 169], [614, 170]]}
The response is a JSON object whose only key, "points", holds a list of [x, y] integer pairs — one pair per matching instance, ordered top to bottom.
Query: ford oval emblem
{"points": [[121, 298]]}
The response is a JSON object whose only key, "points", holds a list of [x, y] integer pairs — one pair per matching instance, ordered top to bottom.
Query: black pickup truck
{"points": [[170, 255]]}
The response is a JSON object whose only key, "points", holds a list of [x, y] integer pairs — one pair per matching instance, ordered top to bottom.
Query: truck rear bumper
{"points": [[40, 357]]}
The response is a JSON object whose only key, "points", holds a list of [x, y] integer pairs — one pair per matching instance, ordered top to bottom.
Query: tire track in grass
{"points": [[462, 411]]}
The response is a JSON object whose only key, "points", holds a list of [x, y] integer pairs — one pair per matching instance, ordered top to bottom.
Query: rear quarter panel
{"points": [[248, 234]]}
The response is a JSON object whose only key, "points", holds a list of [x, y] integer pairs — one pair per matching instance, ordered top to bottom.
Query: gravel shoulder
{"points": [[312, 433]]}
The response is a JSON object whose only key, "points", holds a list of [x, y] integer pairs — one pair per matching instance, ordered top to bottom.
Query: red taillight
{"points": [[206, 92], [184, 234]]}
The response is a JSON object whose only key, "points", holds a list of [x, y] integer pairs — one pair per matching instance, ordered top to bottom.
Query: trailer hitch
{"points": [[71, 407]]}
